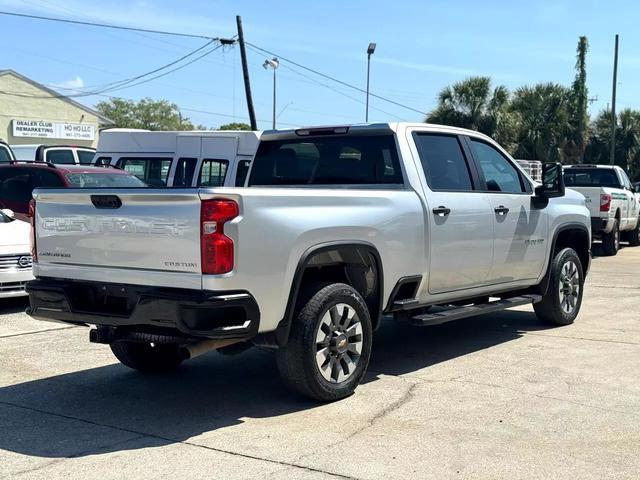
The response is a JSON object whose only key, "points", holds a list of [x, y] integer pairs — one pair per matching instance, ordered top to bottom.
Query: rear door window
{"points": [[60, 156], [85, 157], [443, 161], [185, 169], [152, 171], [212, 173], [41, 178]]}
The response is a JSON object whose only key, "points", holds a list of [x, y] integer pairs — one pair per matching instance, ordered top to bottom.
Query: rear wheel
{"points": [[634, 235], [611, 240], [561, 303], [330, 343], [148, 357]]}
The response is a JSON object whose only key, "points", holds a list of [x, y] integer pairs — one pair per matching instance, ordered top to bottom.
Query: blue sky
{"points": [[421, 47]]}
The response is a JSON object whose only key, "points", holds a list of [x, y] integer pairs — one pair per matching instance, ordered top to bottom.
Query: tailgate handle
{"points": [[106, 201]]}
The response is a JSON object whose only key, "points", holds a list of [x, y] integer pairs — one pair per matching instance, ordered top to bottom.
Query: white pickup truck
{"points": [[612, 200], [336, 228]]}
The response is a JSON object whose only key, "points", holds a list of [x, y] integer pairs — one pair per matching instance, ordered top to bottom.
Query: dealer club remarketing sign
{"points": [[45, 129]]}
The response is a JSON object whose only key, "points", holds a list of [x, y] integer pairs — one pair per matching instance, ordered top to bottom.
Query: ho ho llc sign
{"points": [[46, 129]]}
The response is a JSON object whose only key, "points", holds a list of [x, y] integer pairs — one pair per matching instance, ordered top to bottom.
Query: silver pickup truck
{"points": [[335, 228]]}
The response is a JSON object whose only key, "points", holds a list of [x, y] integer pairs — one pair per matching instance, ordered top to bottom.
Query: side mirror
{"points": [[552, 181], [8, 213]]}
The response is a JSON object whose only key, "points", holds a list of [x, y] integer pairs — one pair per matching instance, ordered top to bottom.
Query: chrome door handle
{"points": [[501, 210], [442, 211]]}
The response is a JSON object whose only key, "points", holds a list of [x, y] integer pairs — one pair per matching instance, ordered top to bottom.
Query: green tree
{"points": [[579, 101], [473, 103], [146, 113], [543, 118], [235, 126], [627, 141]]}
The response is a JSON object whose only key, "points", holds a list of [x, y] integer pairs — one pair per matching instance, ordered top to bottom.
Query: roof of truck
{"points": [[125, 140]]}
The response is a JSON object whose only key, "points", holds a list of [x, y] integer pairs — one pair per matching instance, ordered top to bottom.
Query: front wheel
{"points": [[611, 240], [561, 303], [330, 343], [148, 357]]}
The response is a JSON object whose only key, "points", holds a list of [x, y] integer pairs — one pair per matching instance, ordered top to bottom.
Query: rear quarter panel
{"points": [[277, 226]]}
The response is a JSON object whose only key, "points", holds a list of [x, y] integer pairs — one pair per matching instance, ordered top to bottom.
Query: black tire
{"points": [[633, 237], [611, 240], [552, 309], [156, 358], [297, 360]]}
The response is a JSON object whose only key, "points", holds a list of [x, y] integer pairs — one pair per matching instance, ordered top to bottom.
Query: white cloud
{"points": [[72, 84]]}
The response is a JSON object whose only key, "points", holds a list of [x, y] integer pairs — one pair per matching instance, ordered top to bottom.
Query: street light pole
{"points": [[370, 50], [274, 64], [612, 156]]}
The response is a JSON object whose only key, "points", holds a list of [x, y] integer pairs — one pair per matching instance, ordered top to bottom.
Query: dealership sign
{"points": [[45, 129]]}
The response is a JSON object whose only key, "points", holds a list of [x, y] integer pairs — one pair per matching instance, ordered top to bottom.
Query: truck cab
{"points": [[180, 159], [613, 202]]}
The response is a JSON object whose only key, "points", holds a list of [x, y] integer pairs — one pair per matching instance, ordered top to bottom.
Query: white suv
{"points": [[15, 259]]}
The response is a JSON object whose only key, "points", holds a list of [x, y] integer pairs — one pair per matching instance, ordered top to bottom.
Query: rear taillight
{"points": [[605, 202], [32, 236], [216, 249]]}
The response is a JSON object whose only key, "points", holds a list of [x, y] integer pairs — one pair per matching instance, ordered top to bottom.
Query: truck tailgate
{"points": [[592, 199], [135, 229]]}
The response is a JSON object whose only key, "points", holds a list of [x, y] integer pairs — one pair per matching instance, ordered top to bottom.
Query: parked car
{"points": [[6, 154], [57, 154], [180, 159], [18, 180], [613, 202], [337, 227], [15, 256]]}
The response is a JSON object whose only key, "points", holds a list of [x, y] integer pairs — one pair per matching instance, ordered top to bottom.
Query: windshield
{"points": [[5, 156], [591, 177], [103, 180], [4, 218]]}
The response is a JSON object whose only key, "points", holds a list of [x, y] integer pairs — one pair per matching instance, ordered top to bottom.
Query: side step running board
{"points": [[448, 314]]}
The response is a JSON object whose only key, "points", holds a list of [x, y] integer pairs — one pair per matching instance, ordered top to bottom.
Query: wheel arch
{"points": [[574, 235], [356, 263]]}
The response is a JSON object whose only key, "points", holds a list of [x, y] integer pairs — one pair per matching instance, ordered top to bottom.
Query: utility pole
{"points": [[245, 73], [612, 159]]}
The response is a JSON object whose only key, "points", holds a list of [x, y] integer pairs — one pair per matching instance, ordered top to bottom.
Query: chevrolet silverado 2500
{"points": [[612, 200], [338, 227]]}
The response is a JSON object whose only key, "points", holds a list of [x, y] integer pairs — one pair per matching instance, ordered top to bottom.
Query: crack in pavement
{"points": [[37, 331], [570, 337], [545, 397], [182, 442]]}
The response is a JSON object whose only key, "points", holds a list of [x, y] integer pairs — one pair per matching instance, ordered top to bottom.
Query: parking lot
{"points": [[493, 396]]}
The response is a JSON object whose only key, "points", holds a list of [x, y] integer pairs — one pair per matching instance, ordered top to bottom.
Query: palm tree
{"points": [[579, 100], [474, 104], [542, 113]]}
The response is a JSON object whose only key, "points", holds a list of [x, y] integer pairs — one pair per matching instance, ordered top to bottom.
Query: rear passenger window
{"points": [[60, 157], [85, 157], [443, 161], [152, 171], [184, 172], [212, 173], [499, 173], [241, 175], [15, 186]]}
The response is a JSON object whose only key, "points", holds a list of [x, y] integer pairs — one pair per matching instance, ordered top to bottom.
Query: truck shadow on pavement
{"points": [[112, 408]]}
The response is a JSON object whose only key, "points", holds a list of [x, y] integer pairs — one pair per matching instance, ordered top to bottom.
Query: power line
{"points": [[105, 25], [333, 79], [127, 83]]}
